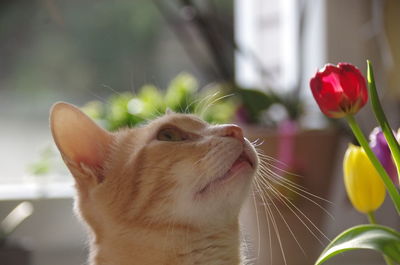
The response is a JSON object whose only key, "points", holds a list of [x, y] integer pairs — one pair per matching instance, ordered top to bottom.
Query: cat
{"points": [[166, 193]]}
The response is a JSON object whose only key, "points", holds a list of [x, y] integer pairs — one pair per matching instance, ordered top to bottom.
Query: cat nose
{"points": [[232, 130]]}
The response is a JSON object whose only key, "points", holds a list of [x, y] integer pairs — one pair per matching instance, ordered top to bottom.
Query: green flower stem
{"points": [[381, 118], [391, 188], [372, 220], [388, 260]]}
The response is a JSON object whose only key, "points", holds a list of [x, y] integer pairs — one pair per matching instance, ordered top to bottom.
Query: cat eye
{"points": [[171, 135]]}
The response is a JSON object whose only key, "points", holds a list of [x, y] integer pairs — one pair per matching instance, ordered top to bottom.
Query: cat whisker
{"points": [[112, 89], [100, 98], [212, 103], [201, 104], [187, 109], [157, 113], [256, 143], [266, 157], [271, 166], [266, 168], [278, 177], [267, 182], [293, 187], [275, 190], [298, 191], [291, 206], [266, 218], [283, 218], [258, 225], [274, 225]]}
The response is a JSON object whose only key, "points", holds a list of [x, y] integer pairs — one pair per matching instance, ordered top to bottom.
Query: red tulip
{"points": [[339, 90]]}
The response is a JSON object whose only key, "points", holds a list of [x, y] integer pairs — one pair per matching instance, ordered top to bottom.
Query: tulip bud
{"points": [[339, 90], [382, 151], [364, 186]]}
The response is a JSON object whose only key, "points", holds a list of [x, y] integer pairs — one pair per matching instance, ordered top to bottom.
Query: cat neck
{"points": [[174, 245]]}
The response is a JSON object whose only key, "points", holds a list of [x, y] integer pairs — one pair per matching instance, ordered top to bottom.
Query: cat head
{"points": [[176, 169]]}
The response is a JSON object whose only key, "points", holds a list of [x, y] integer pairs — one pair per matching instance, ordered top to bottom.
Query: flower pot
{"points": [[314, 155]]}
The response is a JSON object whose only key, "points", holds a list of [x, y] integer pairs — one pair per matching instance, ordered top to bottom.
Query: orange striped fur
{"points": [[147, 201]]}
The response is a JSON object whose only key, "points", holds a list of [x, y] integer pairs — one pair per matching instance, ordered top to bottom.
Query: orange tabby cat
{"points": [[166, 193]]}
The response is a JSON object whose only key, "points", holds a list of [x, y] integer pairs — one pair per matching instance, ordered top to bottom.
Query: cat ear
{"points": [[82, 143]]}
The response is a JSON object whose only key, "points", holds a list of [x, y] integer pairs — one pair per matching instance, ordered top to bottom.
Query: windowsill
{"points": [[36, 190]]}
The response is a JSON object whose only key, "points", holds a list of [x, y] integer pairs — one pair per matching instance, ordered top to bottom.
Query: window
{"points": [[267, 32], [281, 43], [75, 51]]}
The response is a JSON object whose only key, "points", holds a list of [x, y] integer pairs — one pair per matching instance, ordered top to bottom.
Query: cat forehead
{"points": [[183, 121]]}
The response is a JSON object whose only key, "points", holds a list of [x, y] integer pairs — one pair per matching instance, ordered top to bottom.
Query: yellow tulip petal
{"points": [[364, 186]]}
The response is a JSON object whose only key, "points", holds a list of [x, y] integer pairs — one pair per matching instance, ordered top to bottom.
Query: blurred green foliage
{"points": [[182, 95], [257, 103], [128, 109], [45, 164]]}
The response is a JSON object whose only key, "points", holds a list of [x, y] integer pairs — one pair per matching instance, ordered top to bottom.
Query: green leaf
{"points": [[181, 91], [153, 101], [255, 101], [94, 109], [221, 112], [117, 114], [382, 120], [374, 237]]}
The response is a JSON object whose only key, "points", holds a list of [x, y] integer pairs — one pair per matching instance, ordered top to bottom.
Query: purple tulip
{"points": [[381, 149]]}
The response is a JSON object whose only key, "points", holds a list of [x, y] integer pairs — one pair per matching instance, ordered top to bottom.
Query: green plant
{"points": [[182, 95]]}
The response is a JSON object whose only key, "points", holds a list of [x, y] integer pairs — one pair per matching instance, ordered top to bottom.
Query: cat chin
{"points": [[243, 167], [239, 169]]}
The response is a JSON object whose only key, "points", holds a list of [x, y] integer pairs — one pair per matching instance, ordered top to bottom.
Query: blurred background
{"points": [[125, 61]]}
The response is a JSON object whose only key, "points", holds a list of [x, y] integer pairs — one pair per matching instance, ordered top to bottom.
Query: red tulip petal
{"points": [[353, 83], [339, 90]]}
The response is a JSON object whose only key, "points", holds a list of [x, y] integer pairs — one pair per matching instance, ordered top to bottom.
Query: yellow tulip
{"points": [[364, 186]]}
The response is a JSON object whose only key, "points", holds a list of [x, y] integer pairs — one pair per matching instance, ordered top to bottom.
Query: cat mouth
{"points": [[243, 161]]}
